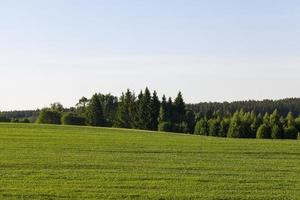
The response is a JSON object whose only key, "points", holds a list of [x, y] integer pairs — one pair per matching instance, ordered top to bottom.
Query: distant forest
{"points": [[275, 119]]}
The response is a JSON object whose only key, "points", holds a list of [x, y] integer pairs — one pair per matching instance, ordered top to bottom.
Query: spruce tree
{"points": [[179, 109], [155, 110], [169, 111], [94, 112], [125, 112], [145, 112], [190, 121], [257, 121], [276, 126], [214, 127], [224, 127], [235, 127], [290, 131]]}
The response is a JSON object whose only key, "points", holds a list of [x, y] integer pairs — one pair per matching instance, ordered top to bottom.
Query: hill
{"points": [[69, 162]]}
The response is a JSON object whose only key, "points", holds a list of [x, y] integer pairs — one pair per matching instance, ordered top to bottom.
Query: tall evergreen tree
{"points": [[179, 109], [155, 110], [163, 110], [169, 110], [94, 112], [125, 112], [145, 112], [276, 126], [235, 129], [290, 131]]}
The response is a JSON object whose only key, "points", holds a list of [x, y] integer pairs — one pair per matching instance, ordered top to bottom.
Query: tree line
{"points": [[283, 107], [146, 111], [250, 125]]}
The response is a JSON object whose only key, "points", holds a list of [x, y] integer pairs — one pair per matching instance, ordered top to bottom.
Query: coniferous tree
{"points": [[179, 109], [155, 110], [169, 111], [94, 112], [125, 112], [145, 112], [137, 114], [164, 118], [190, 121], [256, 123], [297, 123], [276, 126], [214, 127], [224, 127], [235, 128], [290, 131]]}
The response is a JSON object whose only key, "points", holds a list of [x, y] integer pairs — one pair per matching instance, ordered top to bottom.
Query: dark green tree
{"points": [[179, 109], [155, 110], [126, 111], [94, 112], [144, 112], [48, 116], [72, 119], [190, 121], [214, 127], [224, 127], [235, 128], [290, 131], [263, 132]]}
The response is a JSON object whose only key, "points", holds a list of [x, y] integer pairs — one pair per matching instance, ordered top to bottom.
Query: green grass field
{"points": [[65, 162]]}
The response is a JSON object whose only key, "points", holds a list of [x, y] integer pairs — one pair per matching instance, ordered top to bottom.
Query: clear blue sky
{"points": [[211, 50]]}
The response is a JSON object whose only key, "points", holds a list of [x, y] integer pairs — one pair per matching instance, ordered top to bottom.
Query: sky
{"points": [[210, 50]]}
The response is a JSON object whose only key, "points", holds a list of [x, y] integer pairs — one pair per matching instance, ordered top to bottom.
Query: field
{"points": [[65, 162]]}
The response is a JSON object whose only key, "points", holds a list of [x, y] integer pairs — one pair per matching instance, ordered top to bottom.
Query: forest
{"points": [[275, 119]]}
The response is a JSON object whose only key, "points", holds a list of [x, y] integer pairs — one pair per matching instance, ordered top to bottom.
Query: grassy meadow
{"points": [[69, 162]]}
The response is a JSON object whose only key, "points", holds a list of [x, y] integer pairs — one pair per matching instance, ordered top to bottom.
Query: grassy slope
{"points": [[56, 162]]}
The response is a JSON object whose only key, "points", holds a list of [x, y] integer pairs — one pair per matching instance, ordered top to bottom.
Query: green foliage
{"points": [[109, 105], [56, 107], [178, 109], [126, 111], [144, 111], [155, 111], [94, 112], [48, 116], [4, 119], [72, 119], [26, 121], [190, 121], [256, 122], [297, 123], [165, 127], [201, 127], [214, 127], [224, 127], [235, 129], [263, 132], [276, 132], [290, 132]]}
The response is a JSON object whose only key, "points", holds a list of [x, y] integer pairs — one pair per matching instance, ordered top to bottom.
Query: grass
{"points": [[65, 162]]}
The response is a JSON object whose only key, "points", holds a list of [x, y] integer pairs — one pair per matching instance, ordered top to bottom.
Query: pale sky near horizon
{"points": [[211, 50]]}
